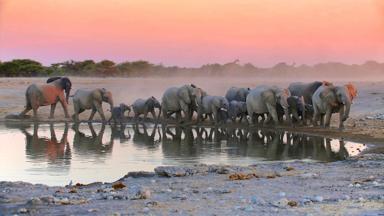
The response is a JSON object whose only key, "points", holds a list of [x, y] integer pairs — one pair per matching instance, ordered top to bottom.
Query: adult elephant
{"points": [[306, 91], [48, 94], [237, 94], [91, 99], [180, 99], [264, 99], [333, 99], [210, 105]]}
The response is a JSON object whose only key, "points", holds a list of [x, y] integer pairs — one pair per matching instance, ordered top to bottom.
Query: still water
{"points": [[56, 154]]}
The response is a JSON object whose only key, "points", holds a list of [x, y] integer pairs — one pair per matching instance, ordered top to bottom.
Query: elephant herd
{"points": [[296, 104]]}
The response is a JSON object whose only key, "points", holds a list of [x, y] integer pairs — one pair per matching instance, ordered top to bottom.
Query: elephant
{"points": [[306, 90], [48, 94], [237, 94], [91, 99], [180, 99], [264, 99], [332, 99], [210, 105], [142, 106], [296, 108], [237, 109], [117, 113]]}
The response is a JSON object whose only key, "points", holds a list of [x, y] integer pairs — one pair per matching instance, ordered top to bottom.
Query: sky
{"points": [[193, 33]]}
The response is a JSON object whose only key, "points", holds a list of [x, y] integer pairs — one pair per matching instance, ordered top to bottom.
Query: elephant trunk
{"points": [[67, 92], [110, 101], [347, 108], [158, 117]]}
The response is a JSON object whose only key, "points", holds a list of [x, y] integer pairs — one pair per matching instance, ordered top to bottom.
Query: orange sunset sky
{"points": [[192, 33]]}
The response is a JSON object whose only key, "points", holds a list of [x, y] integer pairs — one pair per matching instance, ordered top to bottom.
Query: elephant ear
{"points": [[51, 79], [352, 91], [268, 95], [329, 95], [150, 102]]}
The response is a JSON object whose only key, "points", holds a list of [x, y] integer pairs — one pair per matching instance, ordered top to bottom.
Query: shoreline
{"points": [[349, 187]]}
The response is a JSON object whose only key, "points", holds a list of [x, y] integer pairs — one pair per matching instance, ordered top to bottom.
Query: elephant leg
{"points": [[64, 104], [53, 107], [99, 109], [25, 111], [35, 112], [273, 113], [92, 114], [153, 114], [214, 114], [178, 115], [341, 115], [316, 116], [328, 116], [136, 117], [210, 117], [321, 119]]}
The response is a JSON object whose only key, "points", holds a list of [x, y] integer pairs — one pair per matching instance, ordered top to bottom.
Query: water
{"points": [[57, 154]]}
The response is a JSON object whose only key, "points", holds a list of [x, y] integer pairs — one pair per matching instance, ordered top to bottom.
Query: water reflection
{"points": [[92, 145], [50, 148], [97, 152]]}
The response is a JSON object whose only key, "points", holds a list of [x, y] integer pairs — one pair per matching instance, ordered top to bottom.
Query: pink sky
{"points": [[192, 33]]}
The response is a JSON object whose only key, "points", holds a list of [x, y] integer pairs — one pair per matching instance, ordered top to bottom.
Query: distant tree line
{"points": [[108, 68]]}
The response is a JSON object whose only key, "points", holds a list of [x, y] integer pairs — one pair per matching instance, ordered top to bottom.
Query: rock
{"points": [[223, 170], [170, 171], [139, 174], [309, 175], [118, 185], [143, 194], [282, 194], [110, 197], [346, 197], [47, 199], [318, 199], [361, 199], [35, 201], [64, 201], [305, 202], [282, 203], [292, 203], [151, 204], [248, 209], [93, 210], [146, 210], [22, 211]]}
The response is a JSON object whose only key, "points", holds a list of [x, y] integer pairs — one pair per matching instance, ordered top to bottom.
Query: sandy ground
{"points": [[351, 187]]}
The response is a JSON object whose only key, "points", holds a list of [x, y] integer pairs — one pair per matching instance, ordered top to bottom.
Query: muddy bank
{"points": [[351, 187]]}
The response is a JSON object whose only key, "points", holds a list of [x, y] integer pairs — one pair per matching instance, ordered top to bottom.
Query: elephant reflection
{"points": [[119, 133], [144, 138], [179, 142], [93, 144], [267, 144], [40, 147]]}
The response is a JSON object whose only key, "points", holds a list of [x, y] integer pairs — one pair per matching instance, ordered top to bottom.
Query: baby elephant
{"points": [[142, 106], [117, 113]]}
